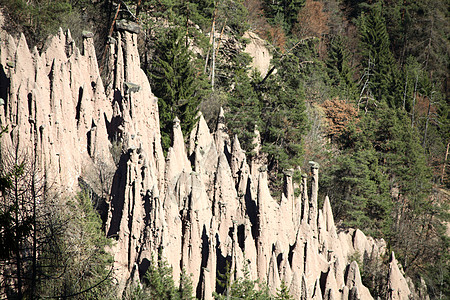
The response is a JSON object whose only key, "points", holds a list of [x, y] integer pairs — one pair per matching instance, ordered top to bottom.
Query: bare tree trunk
{"points": [[138, 9], [109, 35], [221, 35], [210, 42], [429, 44], [213, 51], [404, 93], [414, 101], [428, 120], [445, 163], [34, 216], [17, 240]]}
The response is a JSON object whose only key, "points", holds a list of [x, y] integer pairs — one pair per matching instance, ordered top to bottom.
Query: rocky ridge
{"points": [[201, 207]]}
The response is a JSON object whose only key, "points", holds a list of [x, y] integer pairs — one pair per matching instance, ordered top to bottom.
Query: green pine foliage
{"points": [[283, 12], [179, 13], [233, 15], [38, 19], [339, 70], [381, 80], [176, 82], [275, 106], [244, 111], [284, 116], [284, 120], [381, 154], [381, 183], [359, 190], [51, 247], [74, 262], [158, 284], [243, 288], [246, 289], [283, 292]]}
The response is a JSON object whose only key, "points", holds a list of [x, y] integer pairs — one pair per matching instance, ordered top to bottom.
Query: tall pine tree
{"points": [[340, 71], [382, 77], [176, 82]]}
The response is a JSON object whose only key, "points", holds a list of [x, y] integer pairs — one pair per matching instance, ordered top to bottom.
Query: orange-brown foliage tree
{"points": [[255, 18], [311, 20], [258, 24], [277, 37], [339, 114]]}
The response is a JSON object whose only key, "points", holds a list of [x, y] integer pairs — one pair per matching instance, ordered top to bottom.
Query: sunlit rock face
{"points": [[200, 208]]}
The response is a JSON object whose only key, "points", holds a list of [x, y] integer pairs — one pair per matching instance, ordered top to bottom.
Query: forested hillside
{"points": [[361, 87]]}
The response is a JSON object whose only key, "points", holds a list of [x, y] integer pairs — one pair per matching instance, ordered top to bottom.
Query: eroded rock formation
{"points": [[201, 208]]}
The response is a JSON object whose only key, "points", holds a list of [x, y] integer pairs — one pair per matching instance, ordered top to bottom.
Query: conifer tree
{"points": [[283, 12], [339, 70], [382, 76], [176, 83], [244, 110], [284, 117], [382, 154], [359, 190], [74, 263], [159, 284], [243, 288], [283, 292]]}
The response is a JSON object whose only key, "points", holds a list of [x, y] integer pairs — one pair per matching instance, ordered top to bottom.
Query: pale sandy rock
{"points": [[2, 23], [259, 52], [7, 54], [137, 120], [200, 136], [221, 137], [204, 154], [238, 159], [177, 161], [257, 161], [244, 182], [304, 200], [288, 206], [265, 207], [227, 208], [313, 209], [219, 210], [195, 216], [328, 216], [286, 218], [126, 221], [322, 234], [346, 242], [360, 243], [250, 253], [237, 256], [298, 261], [314, 263], [338, 266], [285, 269], [209, 272], [273, 279], [354, 284], [397, 285], [295, 287], [304, 290], [331, 290], [316, 292], [345, 293], [354, 294]]}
